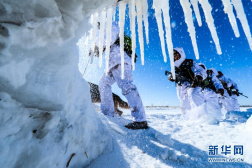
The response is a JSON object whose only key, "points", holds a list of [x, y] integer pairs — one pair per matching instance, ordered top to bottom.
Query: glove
{"points": [[95, 53], [220, 73], [171, 78], [196, 81], [224, 85], [221, 91], [235, 92]]}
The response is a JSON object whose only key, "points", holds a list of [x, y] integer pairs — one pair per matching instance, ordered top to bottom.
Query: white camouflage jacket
{"points": [[114, 55]]}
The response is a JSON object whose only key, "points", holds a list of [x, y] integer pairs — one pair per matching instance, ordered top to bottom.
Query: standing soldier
{"points": [[129, 90], [188, 90]]}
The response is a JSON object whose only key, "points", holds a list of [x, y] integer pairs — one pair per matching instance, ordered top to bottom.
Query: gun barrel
{"points": [[167, 73], [243, 95]]}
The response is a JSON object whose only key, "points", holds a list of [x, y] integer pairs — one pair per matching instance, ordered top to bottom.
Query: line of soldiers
{"points": [[197, 86]]}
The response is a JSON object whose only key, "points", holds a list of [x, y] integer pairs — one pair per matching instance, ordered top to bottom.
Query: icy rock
{"points": [[16, 78], [6, 102], [164, 139], [183, 151], [164, 154], [168, 154], [172, 155], [182, 158]]}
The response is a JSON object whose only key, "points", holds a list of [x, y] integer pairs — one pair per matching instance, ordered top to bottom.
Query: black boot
{"points": [[137, 125]]}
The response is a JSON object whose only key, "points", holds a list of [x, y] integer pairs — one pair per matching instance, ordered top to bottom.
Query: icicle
{"points": [[122, 7], [157, 8], [228, 9], [132, 11], [196, 11], [114, 14], [242, 17], [145, 18], [189, 21], [210, 22], [167, 23], [140, 27], [93, 34], [101, 35], [108, 36], [91, 37], [85, 42]]}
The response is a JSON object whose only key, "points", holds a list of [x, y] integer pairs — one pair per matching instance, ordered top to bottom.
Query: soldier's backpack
{"points": [[127, 45]]}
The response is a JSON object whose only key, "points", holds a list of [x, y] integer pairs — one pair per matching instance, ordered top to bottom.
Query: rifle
{"points": [[179, 79], [236, 92], [239, 93]]}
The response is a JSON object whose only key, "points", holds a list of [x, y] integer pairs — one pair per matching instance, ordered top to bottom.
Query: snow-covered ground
{"points": [[172, 141]]}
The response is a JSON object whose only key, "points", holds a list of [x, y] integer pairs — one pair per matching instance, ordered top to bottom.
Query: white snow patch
{"points": [[15, 72]]}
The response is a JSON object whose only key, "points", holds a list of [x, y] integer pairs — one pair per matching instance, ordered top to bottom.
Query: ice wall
{"points": [[46, 115]]}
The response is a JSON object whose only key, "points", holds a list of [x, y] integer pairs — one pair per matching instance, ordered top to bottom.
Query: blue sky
{"points": [[235, 61]]}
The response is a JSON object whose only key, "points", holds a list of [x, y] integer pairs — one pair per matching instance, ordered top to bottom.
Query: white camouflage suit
{"points": [[129, 90], [189, 97], [212, 98], [230, 103], [236, 106]]}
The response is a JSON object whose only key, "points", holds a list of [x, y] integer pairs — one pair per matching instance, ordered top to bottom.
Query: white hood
{"points": [[182, 53], [203, 65], [215, 72]]}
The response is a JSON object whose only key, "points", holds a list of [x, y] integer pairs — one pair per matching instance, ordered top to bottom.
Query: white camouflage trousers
{"points": [[129, 90], [189, 97], [230, 103], [212, 104]]}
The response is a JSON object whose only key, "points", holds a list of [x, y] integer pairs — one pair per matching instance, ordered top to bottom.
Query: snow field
{"points": [[172, 141]]}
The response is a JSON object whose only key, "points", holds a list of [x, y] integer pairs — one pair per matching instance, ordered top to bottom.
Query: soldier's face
{"points": [[176, 54]]}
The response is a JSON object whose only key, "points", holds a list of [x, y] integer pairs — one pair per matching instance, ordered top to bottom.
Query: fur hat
{"points": [[180, 50]]}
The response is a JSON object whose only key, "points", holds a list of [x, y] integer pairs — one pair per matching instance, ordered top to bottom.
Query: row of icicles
{"points": [[138, 9]]}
